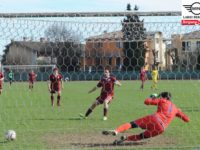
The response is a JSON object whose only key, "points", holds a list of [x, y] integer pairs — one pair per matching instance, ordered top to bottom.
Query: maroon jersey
{"points": [[142, 74], [32, 76], [1, 82], [55, 82], [107, 85]]}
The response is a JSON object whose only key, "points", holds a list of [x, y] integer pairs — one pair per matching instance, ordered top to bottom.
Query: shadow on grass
{"points": [[190, 109], [75, 118], [46, 119], [3, 142], [125, 144]]}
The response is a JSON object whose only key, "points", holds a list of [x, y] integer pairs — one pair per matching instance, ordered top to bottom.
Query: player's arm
{"points": [[146, 77], [2, 78], [61, 82], [118, 83], [49, 85], [96, 87], [93, 89], [151, 101], [182, 116]]}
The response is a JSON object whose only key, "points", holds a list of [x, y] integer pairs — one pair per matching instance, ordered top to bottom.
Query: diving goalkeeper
{"points": [[154, 124]]}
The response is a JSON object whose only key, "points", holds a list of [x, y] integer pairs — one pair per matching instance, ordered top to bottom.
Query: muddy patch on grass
{"points": [[98, 141]]}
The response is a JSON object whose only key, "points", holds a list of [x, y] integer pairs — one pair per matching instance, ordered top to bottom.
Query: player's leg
{"points": [[10, 81], [29, 84], [32, 84], [142, 84], [155, 84], [0, 88], [58, 98], [52, 99], [106, 106], [90, 109], [141, 122], [152, 126], [121, 128], [154, 129]]}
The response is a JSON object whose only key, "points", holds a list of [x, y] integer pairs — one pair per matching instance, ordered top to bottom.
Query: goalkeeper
{"points": [[11, 77], [154, 124]]}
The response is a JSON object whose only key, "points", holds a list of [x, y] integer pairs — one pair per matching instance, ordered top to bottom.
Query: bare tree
{"points": [[61, 33], [66, 46], [173, 53], [155, 54]]}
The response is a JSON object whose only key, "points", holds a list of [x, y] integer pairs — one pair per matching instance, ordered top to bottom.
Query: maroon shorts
{"points": [[142, 79], [31, 81], [1, 86], [55, 89], [102, 98], [151, 123]]}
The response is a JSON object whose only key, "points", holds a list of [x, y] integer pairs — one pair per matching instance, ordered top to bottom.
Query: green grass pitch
{"points": [[38, 126]]}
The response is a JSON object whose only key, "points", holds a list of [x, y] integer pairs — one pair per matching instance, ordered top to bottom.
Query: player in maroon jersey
{"points": [[32, 77], [143, 77], [1, 82], [55, 85], [107, 92]]}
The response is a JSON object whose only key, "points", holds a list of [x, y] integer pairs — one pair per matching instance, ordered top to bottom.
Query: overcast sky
{"points": [[86, 5], [17, 6]]}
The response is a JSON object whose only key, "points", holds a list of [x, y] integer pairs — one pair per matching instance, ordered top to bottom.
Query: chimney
{"points": [[25, 38], [42, 39], [48, 40]]}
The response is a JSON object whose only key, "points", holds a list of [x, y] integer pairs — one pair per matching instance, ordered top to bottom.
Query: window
{"points": [[157, 40], [98, 44], [119, 44], [198, 44], [186, 46], [156, 57], [110, 60], [98, 61], [118, 61]]}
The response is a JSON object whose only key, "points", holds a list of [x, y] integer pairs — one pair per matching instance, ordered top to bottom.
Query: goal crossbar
{"points": [[88, 14]]}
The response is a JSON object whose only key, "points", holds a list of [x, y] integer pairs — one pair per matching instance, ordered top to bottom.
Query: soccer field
{"points": [[38, 126]]}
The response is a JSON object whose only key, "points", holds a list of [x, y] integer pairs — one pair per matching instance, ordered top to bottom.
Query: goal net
{"points": [[81, 46], [20, 72]]}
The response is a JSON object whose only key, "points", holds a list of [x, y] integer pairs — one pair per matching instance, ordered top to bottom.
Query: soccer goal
{"points": [[82, 46]]}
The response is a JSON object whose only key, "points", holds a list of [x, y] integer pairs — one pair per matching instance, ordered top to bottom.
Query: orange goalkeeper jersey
{"points": [[166, 111]]}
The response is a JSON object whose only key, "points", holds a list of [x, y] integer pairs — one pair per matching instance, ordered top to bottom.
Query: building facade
{"points": [[188, 49], [106, 50], [155, 50], [102, 51]]}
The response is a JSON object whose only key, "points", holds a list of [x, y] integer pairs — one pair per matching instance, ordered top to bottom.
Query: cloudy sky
{"points": [[86, 5]]}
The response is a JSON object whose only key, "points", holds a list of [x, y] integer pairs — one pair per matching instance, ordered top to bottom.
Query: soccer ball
{"points": [[154, 95], [10, 135]]}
